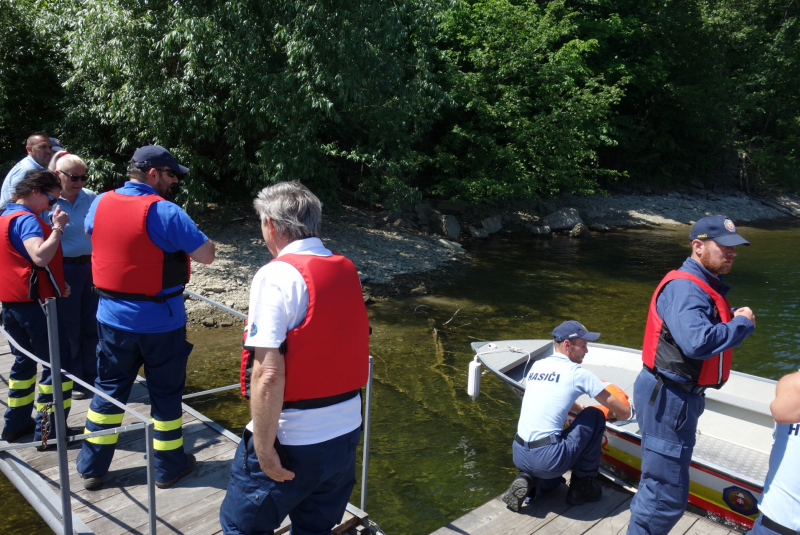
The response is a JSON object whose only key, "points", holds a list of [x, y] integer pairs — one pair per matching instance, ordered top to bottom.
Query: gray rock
{"points": [[695, 183], [423, 208], [423, 219], [564, 219], [404, 223], [493, 224], [449, 226], [599, 227], [540, 230], [580, 231], [477, 233], [452, 245], [215, 289], [419, 290], [368, 299], [229, 304], [209, 322], [226, 323]]}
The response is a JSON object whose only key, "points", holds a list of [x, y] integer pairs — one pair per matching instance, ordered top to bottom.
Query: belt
{"points": [[78, 260], [19, 304], [692, 388], [318, 403], [538, 443], [768, 523]]}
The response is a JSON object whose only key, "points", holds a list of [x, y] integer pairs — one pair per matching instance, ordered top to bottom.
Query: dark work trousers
{"points": [[77, 324], [28, 326], [120, 355], [668, 428], [579, 450], [314, 501], [760, 529]]}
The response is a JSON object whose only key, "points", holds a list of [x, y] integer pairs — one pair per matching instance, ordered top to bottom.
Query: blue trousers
{"points": [[77, 324], [28, 326], [120, 355], [668, 429], [579, 449], [314, 500], [759, 529]]}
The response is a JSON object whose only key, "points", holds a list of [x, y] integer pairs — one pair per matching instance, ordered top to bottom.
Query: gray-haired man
{"points": [[306, 359]]}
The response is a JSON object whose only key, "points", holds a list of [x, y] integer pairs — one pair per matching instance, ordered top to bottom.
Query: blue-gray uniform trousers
{"points": [[77, 323], [28, 326], [120, 354], [668, 428], [579, 449], [315, 500], [760, 529]]}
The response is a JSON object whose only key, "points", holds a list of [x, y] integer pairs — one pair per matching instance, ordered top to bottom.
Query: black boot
{"points": [[582, 490], [516, 493]]}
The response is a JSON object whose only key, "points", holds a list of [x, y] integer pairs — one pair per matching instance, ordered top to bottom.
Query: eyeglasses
{"points": [[170, 172], [75, 178], [52, 201]]}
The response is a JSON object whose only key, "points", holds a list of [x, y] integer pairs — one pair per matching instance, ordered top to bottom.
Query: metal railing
{"points": [[367, 409], [61, 423]]}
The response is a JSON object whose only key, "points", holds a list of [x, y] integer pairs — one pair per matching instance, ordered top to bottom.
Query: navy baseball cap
{"points": [[56, 144], [156, 156], [718, 228], [573, 329]]}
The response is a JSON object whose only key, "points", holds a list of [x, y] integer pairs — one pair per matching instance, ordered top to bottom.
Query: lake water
{"points": [[435, 453]]}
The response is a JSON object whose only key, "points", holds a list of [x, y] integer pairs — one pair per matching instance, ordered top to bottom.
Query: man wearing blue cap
{"points": [[140, 263], [688, 341], [543, 449]]}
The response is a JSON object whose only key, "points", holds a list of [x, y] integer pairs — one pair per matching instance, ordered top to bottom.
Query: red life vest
{"points": [[126, 264], [20, 279], [660, 350], [327, 355]]}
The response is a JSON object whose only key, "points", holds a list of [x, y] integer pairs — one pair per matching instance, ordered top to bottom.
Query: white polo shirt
{"points": [[278, 303], [552, 386]]}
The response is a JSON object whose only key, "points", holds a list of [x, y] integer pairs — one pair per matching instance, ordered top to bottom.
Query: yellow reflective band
{"points": [[21, 385], [48, 389], [21, 402], [67, 405], [104, 419], [170, 425], [103, 440], [166, 445]]}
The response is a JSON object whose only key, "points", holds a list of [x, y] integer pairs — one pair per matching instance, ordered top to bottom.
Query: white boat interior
{"points": [[734, 434]]}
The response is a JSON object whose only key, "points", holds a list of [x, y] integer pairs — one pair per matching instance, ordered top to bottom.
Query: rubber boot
{"points": [[519, 488], [582, 490]]}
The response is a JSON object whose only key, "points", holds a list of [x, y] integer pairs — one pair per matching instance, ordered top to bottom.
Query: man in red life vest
{"points": [[141, 245], [690, 333], [308, 337]]}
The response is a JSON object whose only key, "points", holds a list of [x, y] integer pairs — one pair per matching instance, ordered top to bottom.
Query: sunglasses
{"points": [[170, 172], [75, 178], [52, 201]]}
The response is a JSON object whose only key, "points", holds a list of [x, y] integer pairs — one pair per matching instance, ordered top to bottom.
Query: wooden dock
{"points": [[120, 506], [552, 515]]}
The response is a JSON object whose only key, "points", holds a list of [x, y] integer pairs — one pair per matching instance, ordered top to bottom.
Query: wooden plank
{"points": [[580, 518], [686, 522], [615, 523], [704, 527]]}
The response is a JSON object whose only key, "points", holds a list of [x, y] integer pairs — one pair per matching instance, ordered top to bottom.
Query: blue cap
{"points": [[56, 144], [156, 156], [718, 228], [573, 329]]}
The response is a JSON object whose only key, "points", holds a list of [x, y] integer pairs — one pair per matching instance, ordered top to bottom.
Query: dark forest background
{"points": [[394, 100]]}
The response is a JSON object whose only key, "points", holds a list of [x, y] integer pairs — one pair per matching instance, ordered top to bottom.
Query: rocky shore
{"points": [[412, 251]]}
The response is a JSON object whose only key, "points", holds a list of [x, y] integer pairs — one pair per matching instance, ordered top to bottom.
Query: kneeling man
{"points": [[543, 449]]}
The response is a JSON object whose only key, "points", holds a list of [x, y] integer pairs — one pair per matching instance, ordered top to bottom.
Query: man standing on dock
{"points": [[40, 150], [140, 266], [688, 341], [306, 359], [543, 449], [780, 501]]}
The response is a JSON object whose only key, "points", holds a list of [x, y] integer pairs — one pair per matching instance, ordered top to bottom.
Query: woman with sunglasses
{"points": [[31, 270], [77, 314]]}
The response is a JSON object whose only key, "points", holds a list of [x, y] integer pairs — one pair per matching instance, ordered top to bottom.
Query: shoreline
{"points": [[413, 251]]}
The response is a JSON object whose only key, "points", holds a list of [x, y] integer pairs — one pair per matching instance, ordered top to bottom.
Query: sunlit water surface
{"points": [[435, 453]]}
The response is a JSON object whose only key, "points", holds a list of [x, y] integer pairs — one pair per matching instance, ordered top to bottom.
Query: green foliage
{"points": [[29, 90], [251, 92], [530, 113]]}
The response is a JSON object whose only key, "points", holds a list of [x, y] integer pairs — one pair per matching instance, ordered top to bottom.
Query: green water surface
{"points": [[436, 454]]}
